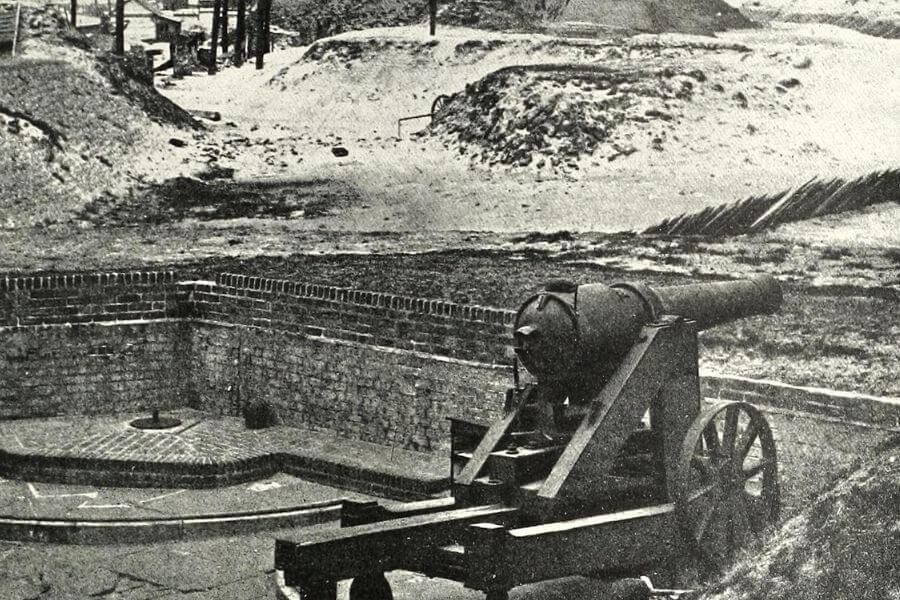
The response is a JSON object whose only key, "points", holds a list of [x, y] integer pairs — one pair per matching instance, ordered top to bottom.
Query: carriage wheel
{"points": [[438, 105], [726, 487], [371, 587]]}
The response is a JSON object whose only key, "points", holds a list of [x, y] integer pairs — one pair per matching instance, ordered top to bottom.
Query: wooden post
{"points": [[74, 14], [432, 16], [224, 26], [268, 26], [16, 27], [120, 27], [241, 33], [260, 33], [213, 47]]}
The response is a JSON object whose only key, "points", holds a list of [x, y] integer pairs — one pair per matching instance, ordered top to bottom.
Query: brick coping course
{"points": [[207, 451]]}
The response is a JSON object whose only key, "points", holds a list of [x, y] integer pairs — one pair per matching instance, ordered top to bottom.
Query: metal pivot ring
{"points": [[651, 301]]}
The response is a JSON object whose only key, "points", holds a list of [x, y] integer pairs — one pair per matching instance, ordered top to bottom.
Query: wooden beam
{"points": [[74, 13], [432, 16], [224, 26], [120, 27], [260, 34], [214, 42], [240, 43], [488, 444], [614, 542], [377, 547]]}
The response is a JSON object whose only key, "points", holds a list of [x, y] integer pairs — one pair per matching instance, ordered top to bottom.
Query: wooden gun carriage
{"points": [[607, 465]]}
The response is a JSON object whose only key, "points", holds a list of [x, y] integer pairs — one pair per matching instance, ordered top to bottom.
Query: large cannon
{"points": [[607, 464]]}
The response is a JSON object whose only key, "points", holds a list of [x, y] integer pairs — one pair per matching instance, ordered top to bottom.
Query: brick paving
{"points": [[204, 451]]}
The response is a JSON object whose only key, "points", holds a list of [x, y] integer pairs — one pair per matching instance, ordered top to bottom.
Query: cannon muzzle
{"points": [[568, 332]]}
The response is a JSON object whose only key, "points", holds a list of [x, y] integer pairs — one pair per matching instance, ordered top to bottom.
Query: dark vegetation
{"points": [[191, 198]]}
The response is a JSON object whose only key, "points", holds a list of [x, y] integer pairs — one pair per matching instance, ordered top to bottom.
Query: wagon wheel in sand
{"points": [[438, 105], [726, 487], [371, 587]]}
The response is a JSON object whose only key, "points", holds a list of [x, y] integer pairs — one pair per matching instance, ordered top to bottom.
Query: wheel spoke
{"points": [[730, 430], [711, 437], [747, 440], [702, 464], [757, 468], [701, 492], [755, 513], [705, 520], [741, 520]]}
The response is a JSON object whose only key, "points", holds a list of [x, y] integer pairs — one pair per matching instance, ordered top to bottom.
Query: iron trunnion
{"points": [[607, 464]]}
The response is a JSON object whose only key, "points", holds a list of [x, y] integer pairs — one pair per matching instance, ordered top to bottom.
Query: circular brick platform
{"points": [[205, 451]]}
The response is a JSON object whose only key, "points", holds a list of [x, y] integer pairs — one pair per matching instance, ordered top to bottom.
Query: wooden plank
{"points": [[16, 28], [488, 444], [623, 541], [377, 547]]}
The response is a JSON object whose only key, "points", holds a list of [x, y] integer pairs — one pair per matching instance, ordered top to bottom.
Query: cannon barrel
{"points": [[568, 332]]}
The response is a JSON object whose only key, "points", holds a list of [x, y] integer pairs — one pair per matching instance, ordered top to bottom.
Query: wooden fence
{"points": [[812, 199]]}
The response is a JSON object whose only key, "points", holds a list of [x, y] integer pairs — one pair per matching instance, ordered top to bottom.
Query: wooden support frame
{"points": [[649, 367], [625, 541], [407, 542]]}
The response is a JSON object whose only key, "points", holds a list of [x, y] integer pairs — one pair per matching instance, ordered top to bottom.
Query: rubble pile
{"points": [[553, 116], [843, 547]]}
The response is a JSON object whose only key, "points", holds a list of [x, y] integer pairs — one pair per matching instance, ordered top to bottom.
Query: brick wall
{"points": [[91, 343], [378, 367], [378, 394]]}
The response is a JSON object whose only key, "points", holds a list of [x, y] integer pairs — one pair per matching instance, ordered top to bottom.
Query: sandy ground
{"points": [[836, 122]]}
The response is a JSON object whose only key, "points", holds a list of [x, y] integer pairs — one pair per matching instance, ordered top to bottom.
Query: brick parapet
{"points": [[89, 298], [436, 327]]}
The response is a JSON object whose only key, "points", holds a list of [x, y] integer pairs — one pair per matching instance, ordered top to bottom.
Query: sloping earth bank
{"points": [[73, 123], [843, 547]]}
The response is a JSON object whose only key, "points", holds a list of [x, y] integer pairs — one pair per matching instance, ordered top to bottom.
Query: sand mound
{"points": [[323, 18], [552, 116], [71, 122], [843, 547]]}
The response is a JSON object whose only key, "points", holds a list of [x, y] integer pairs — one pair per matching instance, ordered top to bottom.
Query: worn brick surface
{"points": [[204, 451]]}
